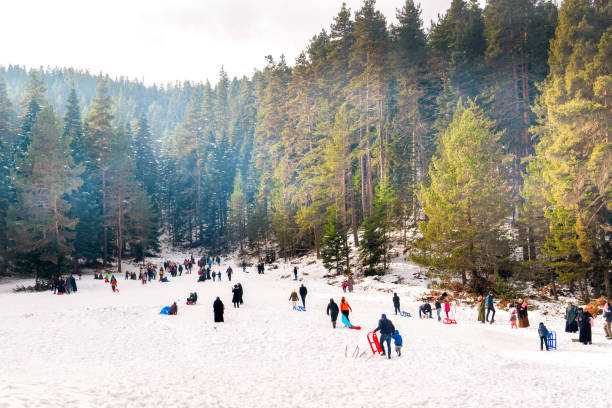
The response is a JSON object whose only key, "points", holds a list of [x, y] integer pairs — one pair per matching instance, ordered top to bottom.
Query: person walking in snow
{"points": [[244, 266], [80, 273], [229, 273], [295, 273], [214, 276], [350, 282], [72, 283], [113, 283], [344, 286], [240, 292], [303, 292], [236, 296], [294, 299], [396, 303], [345, 307], [438, 307], [446, 307], [490, 307], [218, 309], [481, 309], [332, 311], [571, 312], [523, 316], [607, 316], [513, 320], [584, 320], [386, 328], [543, 333], [397, 339]]}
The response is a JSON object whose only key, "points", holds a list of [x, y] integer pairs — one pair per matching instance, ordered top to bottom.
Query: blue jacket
{"points": [[489, 302], [542, 330], [397, 338]]}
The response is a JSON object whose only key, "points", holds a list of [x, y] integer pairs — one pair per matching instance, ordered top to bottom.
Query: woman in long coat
{"points": [[218, 309], [481, 309], [521, 310], [584, 319], [571, 325]]}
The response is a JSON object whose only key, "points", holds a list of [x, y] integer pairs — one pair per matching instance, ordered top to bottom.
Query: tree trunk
{"points": [[351, 201], [105, 227], [119, 232], [554, 286]]}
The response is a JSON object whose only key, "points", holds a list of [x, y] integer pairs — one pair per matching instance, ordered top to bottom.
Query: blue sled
{"points": [[301, 309], [165, 310], [405, 314], [348, 324]]}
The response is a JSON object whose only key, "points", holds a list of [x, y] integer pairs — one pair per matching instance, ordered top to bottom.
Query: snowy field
{"points": [[96, 348]]}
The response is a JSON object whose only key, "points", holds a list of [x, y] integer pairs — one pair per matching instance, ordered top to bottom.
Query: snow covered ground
{"points": [[96, 348]]}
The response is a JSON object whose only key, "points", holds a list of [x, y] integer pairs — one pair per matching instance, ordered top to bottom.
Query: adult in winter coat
{"points": [[229, 273], [295, 273], [350, 282], [73, 283], [113, 283], [240, 292], [303, 292], [236, 296], [293, 297], [396, 303], [438, 306], [345, 307], [490, 307], [173, 309], [481, 309], [218, 310], [521, 311], [332, 312], [607, 316], [584, 320], [571, 325], [386, 328], [543, 333]]}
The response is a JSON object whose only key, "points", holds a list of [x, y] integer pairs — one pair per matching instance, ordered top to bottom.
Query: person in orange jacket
{"points": [[345, 307]]}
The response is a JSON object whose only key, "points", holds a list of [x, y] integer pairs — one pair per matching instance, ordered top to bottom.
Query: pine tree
{"points": [[31, 106], [98, 135], [573, 154], [147, 166], [6, 191], [466, 201], [40, 227], [375, 244], [334, 246]]}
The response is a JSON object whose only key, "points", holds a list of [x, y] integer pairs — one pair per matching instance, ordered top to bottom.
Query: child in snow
{"points": [[113, 283], [294, 299], [446, 307], [173, 309], [513, 320], [543, 333], [398, 343]]}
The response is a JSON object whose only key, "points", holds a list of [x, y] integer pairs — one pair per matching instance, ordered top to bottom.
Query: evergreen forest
{"points": [[480, 146]]}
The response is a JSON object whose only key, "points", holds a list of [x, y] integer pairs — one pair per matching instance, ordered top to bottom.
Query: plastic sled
{"points": [[60, 293], [189, 303], [301, 309], [164, 310], [405, 314], [449, 321], [348, 324], [551, 340], [374, 343]]}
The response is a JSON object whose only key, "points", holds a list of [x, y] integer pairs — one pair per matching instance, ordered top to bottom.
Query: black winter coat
{"points": [[303, 291], [235, 295], [396, 300], [218, 310], [332, 310], [385, 326]]}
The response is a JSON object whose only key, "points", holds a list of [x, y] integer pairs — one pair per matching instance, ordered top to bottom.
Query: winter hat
{"points": [[479, 298], [514, 312], [384, 316]]}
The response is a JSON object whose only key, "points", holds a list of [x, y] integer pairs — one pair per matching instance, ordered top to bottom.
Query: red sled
{"points": [[60, 293], [189, 302], [449, 321], [374, 343]]}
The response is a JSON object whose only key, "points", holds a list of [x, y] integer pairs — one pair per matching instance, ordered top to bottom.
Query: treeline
{"points": [[490, 132]]}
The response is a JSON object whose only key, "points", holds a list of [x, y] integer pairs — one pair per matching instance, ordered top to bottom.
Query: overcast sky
{"points": [[167, 40]]}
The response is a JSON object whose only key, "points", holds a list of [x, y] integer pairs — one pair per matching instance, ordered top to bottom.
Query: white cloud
{"points": [[162, 41]]}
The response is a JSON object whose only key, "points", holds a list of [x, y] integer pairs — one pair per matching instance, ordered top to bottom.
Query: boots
{"points": [[334, 324]]}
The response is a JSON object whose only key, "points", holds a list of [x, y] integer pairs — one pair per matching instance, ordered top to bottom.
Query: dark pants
{"points": [[303, 301], [397, 308], [346, 313], [425, 313], [492, 316], [387, 338], [543, 342]]}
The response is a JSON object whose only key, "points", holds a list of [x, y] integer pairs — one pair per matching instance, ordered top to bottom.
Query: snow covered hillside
{"points": [[97, 348]]}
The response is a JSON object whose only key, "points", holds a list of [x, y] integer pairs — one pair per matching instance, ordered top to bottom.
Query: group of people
{"points": [[261, 266], [348, 284], [61, 285], [237, 295], [294, 296], [425, 310], [578, 319]]}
